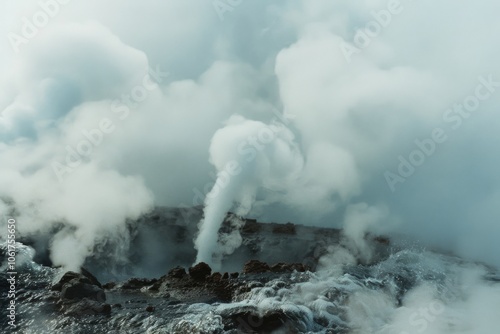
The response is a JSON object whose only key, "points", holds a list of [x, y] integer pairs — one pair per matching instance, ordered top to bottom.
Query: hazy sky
{"points": [[110, 108]]}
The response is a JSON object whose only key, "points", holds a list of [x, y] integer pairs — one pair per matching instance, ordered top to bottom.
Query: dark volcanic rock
{"points": [[251, 227], [287, 228], [383, 240], [255, 267], [288, 267], [200, 271], [177, 272], [84, 277], [91, 277], [216, 277], [65, 279], [137, 283], [109, 285], [200, 286], [75, 289], [81, 294], [86, 307], [248, 320]]}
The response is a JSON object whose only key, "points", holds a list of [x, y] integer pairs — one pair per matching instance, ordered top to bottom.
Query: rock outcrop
{"points": [[257, 267], [200, 271], [80, 294]]}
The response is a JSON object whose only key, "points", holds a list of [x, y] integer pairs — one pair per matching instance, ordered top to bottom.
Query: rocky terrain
{"points": [[163, 239], [276, 257], [81, 294], [261, 297]]}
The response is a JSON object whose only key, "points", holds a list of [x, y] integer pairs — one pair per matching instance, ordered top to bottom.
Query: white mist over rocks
{"points": [[49, 109], [353, 119], [248, 155], [262, 164]]}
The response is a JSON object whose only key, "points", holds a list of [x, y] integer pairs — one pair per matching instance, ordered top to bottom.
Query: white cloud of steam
{"points": [[67, 66], [351, 120], [248, 155], [263, 163], [359, 220], [356, 246]]}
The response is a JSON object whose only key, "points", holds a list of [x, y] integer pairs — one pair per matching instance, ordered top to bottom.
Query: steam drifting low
{"points": [[264, 97]]}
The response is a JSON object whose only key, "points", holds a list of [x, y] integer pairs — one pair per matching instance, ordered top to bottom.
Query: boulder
{"points": [[255, 267], [200, 271], [177, 272], [68, 276], [84, 277], [91, 277], [216, 277], [78, 289], [81, 294]]}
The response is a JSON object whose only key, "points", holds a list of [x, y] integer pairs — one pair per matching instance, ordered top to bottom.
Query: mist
{"points": [[104, 116]]}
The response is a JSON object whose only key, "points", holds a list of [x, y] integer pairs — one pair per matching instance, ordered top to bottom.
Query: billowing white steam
{"points": [[353, 120], [247, 155], [52, 176]]}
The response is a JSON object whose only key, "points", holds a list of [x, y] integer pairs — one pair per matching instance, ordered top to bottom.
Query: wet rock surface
{"points": [[174, 230], [272, 258], [255, 266], [200, 271], [177, 272], [181, 287], [80, 294], [260, 297], [248, 320]]}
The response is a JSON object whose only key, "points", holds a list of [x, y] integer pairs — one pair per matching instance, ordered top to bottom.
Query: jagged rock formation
{"points": [[80, 294]]}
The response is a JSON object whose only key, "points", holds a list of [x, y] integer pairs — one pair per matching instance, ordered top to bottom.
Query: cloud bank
{"points": [[105, 115]]}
